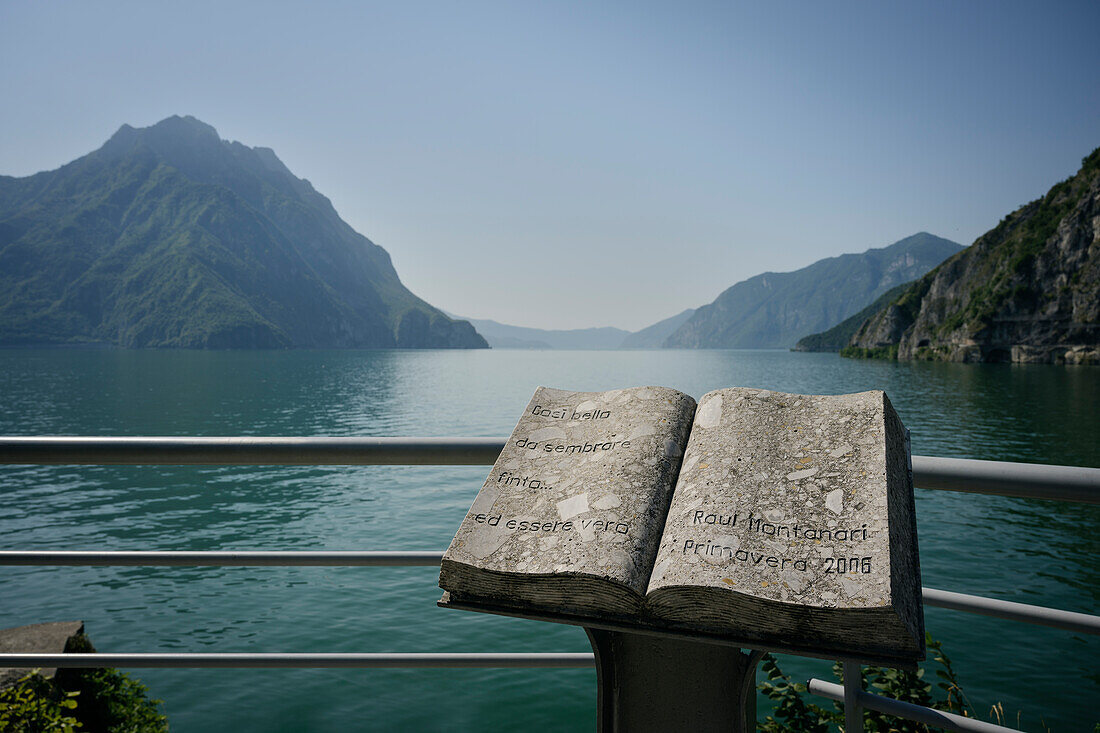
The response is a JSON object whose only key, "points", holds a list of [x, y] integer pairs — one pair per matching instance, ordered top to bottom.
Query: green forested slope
{"points": [[168, 236]]}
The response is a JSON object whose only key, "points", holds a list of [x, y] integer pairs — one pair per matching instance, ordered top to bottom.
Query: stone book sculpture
{"points": [[777, 519]]}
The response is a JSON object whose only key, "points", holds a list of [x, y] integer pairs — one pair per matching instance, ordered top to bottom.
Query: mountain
{"points": [[169, 236], [1025, 291], [774, 310], [503, 336], [651, 337], [837, 337], [508, 342]]}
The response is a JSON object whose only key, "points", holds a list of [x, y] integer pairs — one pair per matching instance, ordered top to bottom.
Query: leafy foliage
{"points": [[94, 700], [109, 700], [113, 701], [34, 705], [793, 712]]}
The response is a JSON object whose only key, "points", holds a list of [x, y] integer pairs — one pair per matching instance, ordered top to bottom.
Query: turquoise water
{"points": [[1030, 551]]}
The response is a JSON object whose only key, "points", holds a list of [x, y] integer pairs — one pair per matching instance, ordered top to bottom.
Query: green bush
{"points": [[91, 700], [109, 700], [36, 705], [792, 712]]}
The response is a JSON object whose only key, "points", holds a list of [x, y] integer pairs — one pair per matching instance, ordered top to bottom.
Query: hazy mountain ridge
{"points": [[168, 236], [846, 276], [1026, 291], [774, 310], [505, 336], [651, 337], [837, 337]]}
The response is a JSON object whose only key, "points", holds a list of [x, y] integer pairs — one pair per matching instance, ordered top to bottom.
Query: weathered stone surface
{"points": [[580, 491], [792, 512], [791, 525], [46, 638]]}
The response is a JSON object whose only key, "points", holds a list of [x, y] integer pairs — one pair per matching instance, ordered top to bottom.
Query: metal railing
{"points": [[1025, 480], [1061, 483], [1068, 620], [235, 660], [897, 708]]}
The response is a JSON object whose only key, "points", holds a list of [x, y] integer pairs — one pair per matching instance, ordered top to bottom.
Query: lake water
{"points": [[1030, 551]]}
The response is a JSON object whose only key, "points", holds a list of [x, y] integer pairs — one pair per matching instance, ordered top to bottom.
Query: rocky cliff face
{"points": [[169, 236], [1026, 291]]}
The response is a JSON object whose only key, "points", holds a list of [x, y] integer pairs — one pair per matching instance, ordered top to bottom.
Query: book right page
{"points": [[784, 498]]}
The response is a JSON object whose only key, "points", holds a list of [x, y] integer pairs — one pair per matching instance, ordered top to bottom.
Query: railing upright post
{"points": [[853, 685]]}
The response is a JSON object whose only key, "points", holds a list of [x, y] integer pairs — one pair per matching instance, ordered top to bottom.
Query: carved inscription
{"points": [[582, 485], [801, 518], [758, 524]]}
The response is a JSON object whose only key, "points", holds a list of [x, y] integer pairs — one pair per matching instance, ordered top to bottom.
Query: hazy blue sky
{"points": [[570, 165]]}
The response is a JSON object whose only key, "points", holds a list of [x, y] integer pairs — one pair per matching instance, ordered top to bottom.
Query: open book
{"points": [[780, 519]]}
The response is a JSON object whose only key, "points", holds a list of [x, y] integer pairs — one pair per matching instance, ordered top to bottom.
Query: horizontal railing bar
{"points": [[250, 451], [1005, 478], [1027, 480], [221, 558], [1057, 618], [1069, 620], [581, 660], [909, 711]]}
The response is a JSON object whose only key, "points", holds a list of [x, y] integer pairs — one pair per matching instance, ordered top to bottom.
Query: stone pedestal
{"points": [[651, 683]]}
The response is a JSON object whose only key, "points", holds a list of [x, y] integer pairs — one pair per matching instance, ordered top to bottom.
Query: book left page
{"points": [[570, 516]]}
